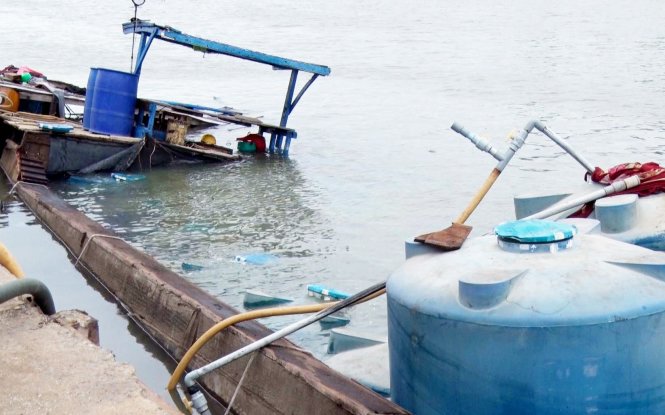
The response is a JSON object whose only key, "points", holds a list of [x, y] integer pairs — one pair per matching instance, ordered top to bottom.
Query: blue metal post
{"points": [[143, 50], [289, 98], [288, 106], [152, 112], [287, 145], [271, 147]]}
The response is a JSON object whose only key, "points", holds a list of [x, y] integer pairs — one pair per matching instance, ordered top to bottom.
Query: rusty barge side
{"points": [[283, 378]]}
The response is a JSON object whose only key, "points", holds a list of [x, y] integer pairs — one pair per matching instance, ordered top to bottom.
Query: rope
{"points": [[136, 9], [154, 147], [13, 189], [90, 240], [242, 379]]}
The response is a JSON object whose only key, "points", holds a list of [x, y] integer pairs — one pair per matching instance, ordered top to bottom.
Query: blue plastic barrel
{"points": [[89, 93], [113, 101]]}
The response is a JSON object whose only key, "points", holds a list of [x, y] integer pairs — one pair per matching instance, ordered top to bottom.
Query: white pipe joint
{"points": [[480, 142], [515, 144], [199, 403]]}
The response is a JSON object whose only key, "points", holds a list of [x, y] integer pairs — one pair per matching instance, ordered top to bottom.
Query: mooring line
{"points": [[13, 189], [90, 240], [242, 379]]}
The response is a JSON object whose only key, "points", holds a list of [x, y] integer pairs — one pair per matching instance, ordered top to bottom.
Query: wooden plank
{"points": [[42, 95], [28, 122], [202, 152]]}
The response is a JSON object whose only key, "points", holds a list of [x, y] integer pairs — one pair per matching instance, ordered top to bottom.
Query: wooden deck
{"points": [[27, 122]]}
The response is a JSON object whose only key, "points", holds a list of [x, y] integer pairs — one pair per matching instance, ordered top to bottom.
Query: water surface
{"points": [[375, 161]]}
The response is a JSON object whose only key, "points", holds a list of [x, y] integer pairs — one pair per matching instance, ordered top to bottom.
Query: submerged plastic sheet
{"points": [[67, 154], [255, 259], [186, 266]]}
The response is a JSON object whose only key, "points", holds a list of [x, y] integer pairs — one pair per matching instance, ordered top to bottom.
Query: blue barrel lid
{"points": [[535, 231]]}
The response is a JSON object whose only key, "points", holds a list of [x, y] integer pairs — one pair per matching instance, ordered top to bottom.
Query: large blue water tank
{"points": [[110, 101], [522, 330]]}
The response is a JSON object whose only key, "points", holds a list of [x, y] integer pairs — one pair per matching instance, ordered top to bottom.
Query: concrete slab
{"points": [[48, 368]]}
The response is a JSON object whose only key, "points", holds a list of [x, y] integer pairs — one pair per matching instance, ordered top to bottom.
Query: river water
{"points": [[375, 161]]}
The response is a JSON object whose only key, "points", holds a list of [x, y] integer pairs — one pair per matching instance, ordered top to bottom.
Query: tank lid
{"points": [[535, 231]]}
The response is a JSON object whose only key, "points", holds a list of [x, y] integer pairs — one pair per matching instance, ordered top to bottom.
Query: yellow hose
{"points": [[8, 261], [250, 315]]}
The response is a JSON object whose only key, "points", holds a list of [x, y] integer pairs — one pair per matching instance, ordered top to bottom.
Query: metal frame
{"points": [[278, 141]]}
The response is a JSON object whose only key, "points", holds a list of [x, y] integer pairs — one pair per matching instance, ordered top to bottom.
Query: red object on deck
{"points": [[258, 141], [652, 177], [652, 181]]}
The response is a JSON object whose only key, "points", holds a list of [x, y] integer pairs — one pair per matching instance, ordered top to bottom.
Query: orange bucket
{"points": [[9, 99]]}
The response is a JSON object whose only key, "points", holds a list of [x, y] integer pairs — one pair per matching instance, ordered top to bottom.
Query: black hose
{"points": [[31, 286]]}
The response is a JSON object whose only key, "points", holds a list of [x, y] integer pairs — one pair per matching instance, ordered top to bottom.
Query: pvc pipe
{"points": [[549, 133], [480, 142], [515, 144], [483, 145], [618, 186], [31, 286], [237, 318], [191, 377], [190, 380]]}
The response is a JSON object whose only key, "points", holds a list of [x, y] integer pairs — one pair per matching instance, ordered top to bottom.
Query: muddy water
{"points": [[375, 161]]}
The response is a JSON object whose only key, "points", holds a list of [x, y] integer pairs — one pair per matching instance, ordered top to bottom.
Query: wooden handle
{"points": [[479, 196]]}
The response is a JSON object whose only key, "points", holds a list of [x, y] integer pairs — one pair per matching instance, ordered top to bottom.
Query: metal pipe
{"points": [[549, 133], [480, 142], [618, 186], [31, 286], [191, 376], [190, 379]]}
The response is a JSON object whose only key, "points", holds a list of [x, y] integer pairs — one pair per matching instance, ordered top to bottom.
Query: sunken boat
{"points": [[51, 129]]}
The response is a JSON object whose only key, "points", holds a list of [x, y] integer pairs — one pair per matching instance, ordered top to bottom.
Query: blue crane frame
{"points": [[150, 31]]}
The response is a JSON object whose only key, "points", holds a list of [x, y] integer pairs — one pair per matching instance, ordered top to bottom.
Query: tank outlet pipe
{"points": [[552, 136], [480, 142], [515, 144], [485, 146], [618, 186], [31, 286], [198, 401]]}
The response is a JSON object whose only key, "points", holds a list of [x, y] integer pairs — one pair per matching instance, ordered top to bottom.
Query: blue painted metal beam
{"points": [[172, 35], [143, 49], [302, 91], [286, 111]]}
